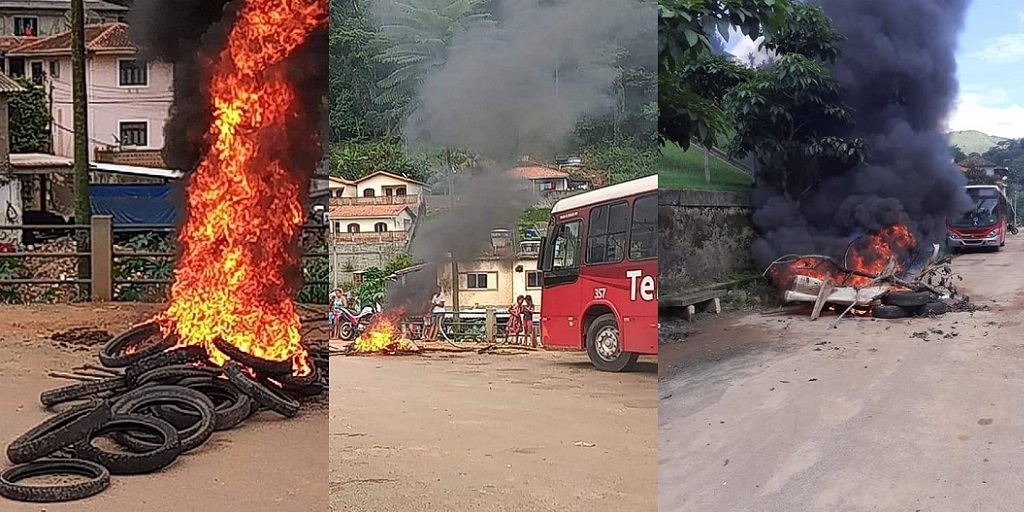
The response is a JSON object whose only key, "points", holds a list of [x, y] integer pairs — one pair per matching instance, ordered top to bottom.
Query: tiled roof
{"points": [[106, 37], [9, 42], [8, 85], [976, 161], [537, 173], [395, 176], [334, 180], [369, 211]]}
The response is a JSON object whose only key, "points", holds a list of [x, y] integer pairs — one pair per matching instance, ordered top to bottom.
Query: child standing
{"points": [[528, 321]]}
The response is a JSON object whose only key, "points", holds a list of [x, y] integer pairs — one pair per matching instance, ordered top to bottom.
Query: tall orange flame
{"points": [[245, 208], [869, 255]]}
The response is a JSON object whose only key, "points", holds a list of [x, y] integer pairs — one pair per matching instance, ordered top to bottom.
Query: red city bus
{"points": [[985, 224], [599, 264]]}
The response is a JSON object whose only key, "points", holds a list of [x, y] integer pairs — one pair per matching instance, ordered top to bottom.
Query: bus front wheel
{"points": [[604, 345]]}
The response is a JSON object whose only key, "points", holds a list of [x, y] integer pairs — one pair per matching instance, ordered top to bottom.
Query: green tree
{"points": [[686, 29], [416, 36], [352, 74], [789, 114], [29, 119], [958, 154], [356, 159]]}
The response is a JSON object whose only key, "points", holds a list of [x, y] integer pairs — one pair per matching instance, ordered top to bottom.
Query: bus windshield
{"points": [[984, 212]]}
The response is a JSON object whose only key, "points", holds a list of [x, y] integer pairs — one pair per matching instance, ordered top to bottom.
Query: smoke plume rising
{"points": [[190, 34], [897, 72], [517, 86]]}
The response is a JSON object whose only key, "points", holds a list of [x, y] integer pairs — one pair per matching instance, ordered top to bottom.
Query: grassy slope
{"points": [[973, 141], [684, 170]]}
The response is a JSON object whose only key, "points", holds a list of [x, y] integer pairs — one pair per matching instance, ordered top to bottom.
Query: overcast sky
{"points": [[990, 63]]}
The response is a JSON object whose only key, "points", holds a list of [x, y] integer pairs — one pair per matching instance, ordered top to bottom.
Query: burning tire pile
{"points": [[159, 401]]}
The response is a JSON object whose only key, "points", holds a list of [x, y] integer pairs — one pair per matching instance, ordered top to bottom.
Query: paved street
{"points": [[781, 414]]}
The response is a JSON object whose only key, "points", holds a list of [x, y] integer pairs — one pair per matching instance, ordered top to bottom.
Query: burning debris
{"points": [[252, 77], [879, 276], [383, 337]]}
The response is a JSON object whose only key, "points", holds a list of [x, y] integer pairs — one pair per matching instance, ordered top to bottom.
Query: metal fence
{"points": [[104, 256]]}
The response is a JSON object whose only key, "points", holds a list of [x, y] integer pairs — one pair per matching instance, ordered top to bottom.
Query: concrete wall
{"points": [[109, 103], [401, 222], [704, 237], [360, 256]]}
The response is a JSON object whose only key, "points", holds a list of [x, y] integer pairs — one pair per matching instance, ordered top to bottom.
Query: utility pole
{"points": [[83, 208]]}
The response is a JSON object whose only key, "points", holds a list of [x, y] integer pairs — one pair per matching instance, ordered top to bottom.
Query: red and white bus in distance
{"points": [[985, 224], [599, 263]]}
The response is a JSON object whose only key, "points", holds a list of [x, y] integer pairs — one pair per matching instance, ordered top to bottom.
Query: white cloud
{"points": [[1020, 15], [1005, 49], [975, 112]]}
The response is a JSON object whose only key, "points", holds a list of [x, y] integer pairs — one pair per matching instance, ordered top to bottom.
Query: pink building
{"points": [[128, 97]]}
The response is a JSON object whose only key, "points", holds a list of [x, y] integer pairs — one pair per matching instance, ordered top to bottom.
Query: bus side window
{"points": [[643, 234], [567, 246]]}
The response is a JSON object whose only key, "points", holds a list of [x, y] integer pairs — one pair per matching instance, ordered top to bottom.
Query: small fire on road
{"points": [[384, 337]]}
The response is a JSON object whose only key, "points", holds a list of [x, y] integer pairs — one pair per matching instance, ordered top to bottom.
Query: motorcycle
{"points": [[353, 324]]}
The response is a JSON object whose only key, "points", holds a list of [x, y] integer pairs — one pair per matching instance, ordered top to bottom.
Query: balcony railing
{"points": [[137, 157], [377, 200], [371, 236]]}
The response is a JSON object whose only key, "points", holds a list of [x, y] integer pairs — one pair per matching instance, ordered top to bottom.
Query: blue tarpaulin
{"points": [[134, 204]]}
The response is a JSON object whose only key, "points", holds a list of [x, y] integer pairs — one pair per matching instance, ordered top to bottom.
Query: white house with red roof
{"points": [[129, 98], [544, 179], [381, 187], [371, 222]]}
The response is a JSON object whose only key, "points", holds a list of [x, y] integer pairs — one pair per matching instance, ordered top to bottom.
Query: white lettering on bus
{"points": [[646, 285]]}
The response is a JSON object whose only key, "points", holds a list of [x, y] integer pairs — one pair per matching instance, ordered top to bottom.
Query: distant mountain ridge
{"points": [[974, 141]]}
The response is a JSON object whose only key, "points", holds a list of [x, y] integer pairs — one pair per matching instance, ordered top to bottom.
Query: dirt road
{"points": [[767, 414], [483, 433], [266, 464]]}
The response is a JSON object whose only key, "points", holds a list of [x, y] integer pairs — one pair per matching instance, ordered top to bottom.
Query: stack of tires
{"points": [[904, 304], [157, 403]]}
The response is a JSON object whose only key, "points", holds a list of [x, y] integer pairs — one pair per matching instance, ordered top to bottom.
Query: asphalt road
{"points": [[781, 414]]}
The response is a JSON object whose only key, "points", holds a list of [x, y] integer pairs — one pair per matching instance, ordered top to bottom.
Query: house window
{"points": [[26, 26], [55, 68], [37, 72], [132, 73], [134, 133], [369, 192], [337, 226], [380, 227], [353, 228], [643, 233], [606, 235], [533, 280], [476, 281]]}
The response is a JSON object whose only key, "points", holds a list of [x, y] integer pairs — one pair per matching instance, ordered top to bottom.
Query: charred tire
{"points": [[908, 299], [932, 308], [888, 312], [604, 345], [113, 354], [190, 354], [261, 365], [176, 373], [267, 395], [52, 397], [139, 400], [230, 404], [59, 431], [119, 463], [99, 480]]}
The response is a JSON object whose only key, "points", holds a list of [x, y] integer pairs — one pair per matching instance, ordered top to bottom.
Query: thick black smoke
{"points": [[898, 74], [515, 86]]}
